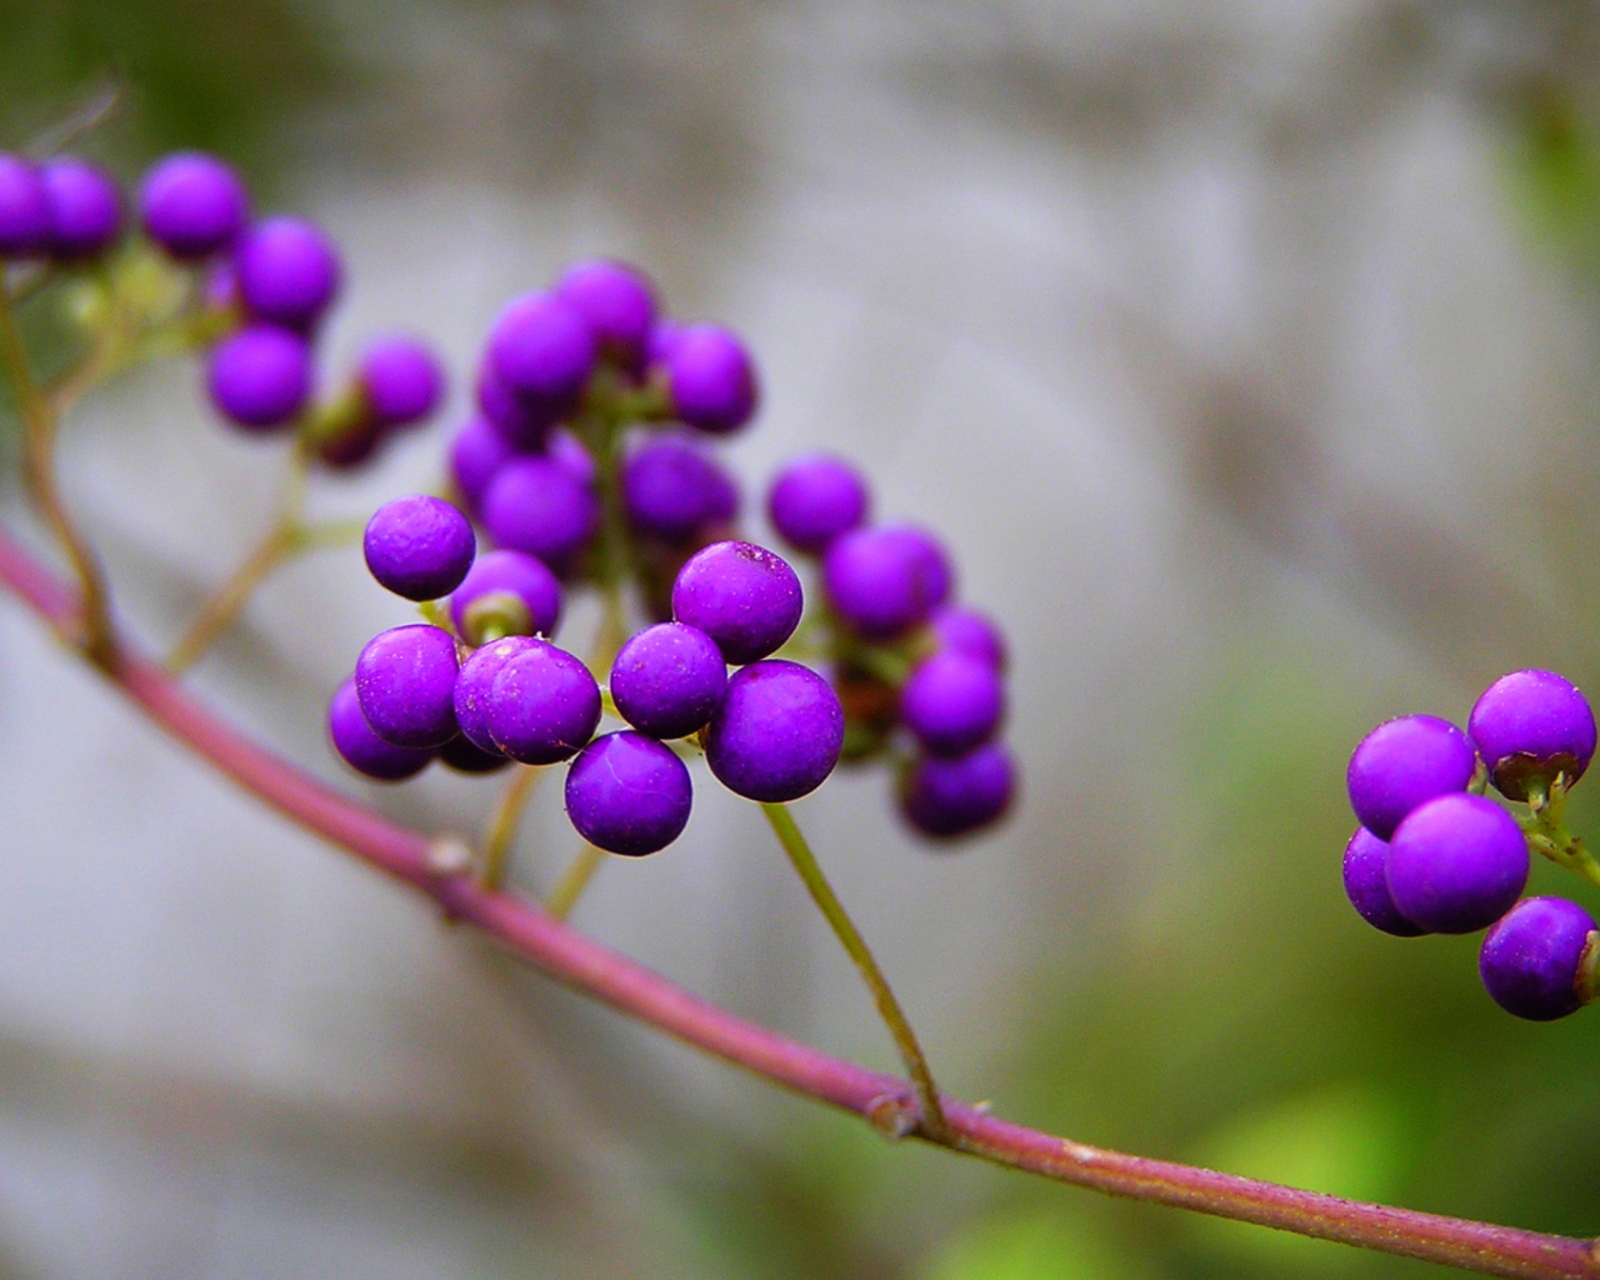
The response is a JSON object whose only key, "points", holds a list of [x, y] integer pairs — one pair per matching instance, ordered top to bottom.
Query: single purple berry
{"points": [[192, 205], [85, 208], [26, 225], [287, 271], [617, 302], [543, 352], [260, 376], [710, 379], [402, 380], [524, 427], [476, 455], [671, 489], [815, 499], [536, 506], [419, 547], [884, 580], [506, 593], [743, 596], [954, 627], [668, 680], [405, 681], [474, 688], [952, 702], [543, 705], [1528, 727], [777, 733], [363, 750], [464, 756], [1402, 763], [628, 794], [947, 798], [1457, 863], [1366, 884], [1539, 962]]}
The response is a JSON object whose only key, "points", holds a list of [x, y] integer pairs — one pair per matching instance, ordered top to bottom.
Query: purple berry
{"points": [[192, 205], [85, 208], [25, 218], [287, 272], [617, 302], [543, 352], [260, 376], [710, 379], [402, 380], [523, 427], [568, 452], [476, 456], [671, 489], [815, 499], [536, 506], [419, 547], [884, 580], [508, 592], [744, 597], [968, 631], [668, 680], [405, 681], [474, 689], [952, 702], [543, 704], [1528, 727], [777, 733], [363, 750], [464, 756], [1402, 763], [628, 794], [947, 798], [1456, 864], [1366, 884], [1533, 961]]}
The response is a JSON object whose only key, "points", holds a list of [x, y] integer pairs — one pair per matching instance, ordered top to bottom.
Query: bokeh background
{"points": [[1244, 353]]}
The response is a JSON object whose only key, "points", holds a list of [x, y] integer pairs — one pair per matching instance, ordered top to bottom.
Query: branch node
{"points": [[449, 855], [892, 1116]]}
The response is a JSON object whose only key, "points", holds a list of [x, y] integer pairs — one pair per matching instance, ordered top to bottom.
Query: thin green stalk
{"points": [[503, 825], [1547, 833], [805, 863], [573, 882]]}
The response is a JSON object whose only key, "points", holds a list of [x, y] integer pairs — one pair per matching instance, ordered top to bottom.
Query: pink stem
{"points": [[886, 1100]]}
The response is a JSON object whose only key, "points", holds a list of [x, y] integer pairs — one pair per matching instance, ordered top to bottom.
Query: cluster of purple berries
{"points": [[494, 688], [1434, 855]]}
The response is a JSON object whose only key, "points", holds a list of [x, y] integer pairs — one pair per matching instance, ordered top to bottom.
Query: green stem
{"points": [[503, 826], [1547, 832], [810, 871], [573, 882]]}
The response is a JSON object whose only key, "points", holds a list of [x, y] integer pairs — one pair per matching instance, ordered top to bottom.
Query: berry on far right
{"points": [[1530, 726]]}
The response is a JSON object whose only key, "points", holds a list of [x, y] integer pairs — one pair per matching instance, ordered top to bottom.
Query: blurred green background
{"points": [[1246, 357]]}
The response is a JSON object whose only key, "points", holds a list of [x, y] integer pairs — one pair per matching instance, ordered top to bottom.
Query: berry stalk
{"points": [[574, 880]]}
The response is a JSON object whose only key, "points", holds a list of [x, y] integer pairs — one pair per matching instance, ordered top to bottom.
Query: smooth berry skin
{"points": [[193, 205], [85, 208], [26, 225], [287, 272], [617, 302], [542, 351], [260, 376], [401, 379], [710, 379], [525, 428], [476, 455], [671, 489], [815, 499], [536, 506], [419, 547], [517, 574], [883, 581], [746, 598], [963, 630], [668, 680], [405, 682], [474, 689], [952, 702], [543, 705], [1529, 726], [777, 733], [363, 750], [462, 755], [1401, 764], [628, 794], [949, 798], [1456, 864], [1366, 884], [1532, 959]]}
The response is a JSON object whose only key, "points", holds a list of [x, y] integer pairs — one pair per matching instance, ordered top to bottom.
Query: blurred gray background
{"points": [[1244, 355]]}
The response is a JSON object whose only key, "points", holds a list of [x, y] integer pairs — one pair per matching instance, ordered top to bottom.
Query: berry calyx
{"points": [[419, 547], [506, 593], [1530, 726], [1401, 764], [627, 793], [1456, 864]]}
